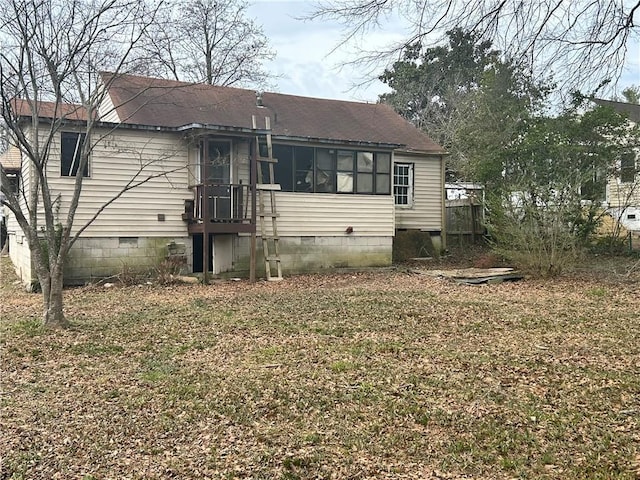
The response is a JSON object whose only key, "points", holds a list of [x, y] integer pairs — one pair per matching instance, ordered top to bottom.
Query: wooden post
{"points": [[253, 181], [443, 211], [205, 212], [473, 219]]}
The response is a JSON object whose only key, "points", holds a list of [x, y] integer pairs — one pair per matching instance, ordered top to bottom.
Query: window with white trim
{"points": [[71, 154], [403, 184]]}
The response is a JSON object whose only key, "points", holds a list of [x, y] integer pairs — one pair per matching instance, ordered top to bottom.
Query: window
{"points": [[71, 154], [218, 165], [628, 167], [364, 169], [282, 170], [325, 170], [345, 171], [303, 172], [383, 173], [325, 175], [14, 182], [403, 184], [594, 188]]}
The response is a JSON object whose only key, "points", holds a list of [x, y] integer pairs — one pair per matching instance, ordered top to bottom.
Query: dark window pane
{"points": [[71, 153], [303, 157], [325, 159], [345, 160], [365, 162], [383, 162], [218, 166], [628, 167], [283, 170], [325, 171], [365, 183], [382, 183]]}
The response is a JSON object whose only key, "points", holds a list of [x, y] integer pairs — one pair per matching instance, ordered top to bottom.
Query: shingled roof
{"points": [[164, 103], [632, 110], [68, 111]]}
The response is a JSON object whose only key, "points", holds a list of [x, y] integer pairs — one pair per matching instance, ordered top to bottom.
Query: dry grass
{"points": [[377, 375]]}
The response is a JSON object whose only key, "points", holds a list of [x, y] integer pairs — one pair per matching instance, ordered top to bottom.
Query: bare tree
{"points": [[572, 38], [207, 41], [51, 55]]}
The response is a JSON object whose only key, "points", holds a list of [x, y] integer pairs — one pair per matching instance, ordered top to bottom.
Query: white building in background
{"points": [[623, 191]]}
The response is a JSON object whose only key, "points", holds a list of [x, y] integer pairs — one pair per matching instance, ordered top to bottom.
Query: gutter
{"points": [[290, 138]]}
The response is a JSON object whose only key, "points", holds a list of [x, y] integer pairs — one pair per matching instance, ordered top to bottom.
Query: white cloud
{"points": [[307, 61], [309, 64]]}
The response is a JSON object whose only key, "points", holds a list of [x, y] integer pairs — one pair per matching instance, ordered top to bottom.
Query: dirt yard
{"points": [[386, 375]]}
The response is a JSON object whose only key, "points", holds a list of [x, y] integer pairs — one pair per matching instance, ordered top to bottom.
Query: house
{"points": [[10, 161], [348, 177], [623, 190]]}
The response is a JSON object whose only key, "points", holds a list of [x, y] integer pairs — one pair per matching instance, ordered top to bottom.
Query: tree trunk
{"points": [[52, 284]]}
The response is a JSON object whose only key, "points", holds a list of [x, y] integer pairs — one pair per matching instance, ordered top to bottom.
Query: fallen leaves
{"points": [[373, 375]]}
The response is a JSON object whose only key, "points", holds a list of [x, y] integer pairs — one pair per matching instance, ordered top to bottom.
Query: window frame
{"points": [[330, 162], [72, 170], [628, 172], [410, 173]]}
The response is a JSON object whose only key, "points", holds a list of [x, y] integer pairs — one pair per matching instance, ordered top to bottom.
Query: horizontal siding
{"points": [[107, 111], [114, 162], [241, 162], [25, 176], [622, 195], [426, 211], [306, 214]]}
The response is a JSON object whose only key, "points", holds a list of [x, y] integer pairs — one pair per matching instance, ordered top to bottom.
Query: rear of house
{"points": [[348, 176]]}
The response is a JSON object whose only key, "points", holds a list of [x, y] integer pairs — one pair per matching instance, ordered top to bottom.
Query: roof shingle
{"points": [[166, 103], [632, 110], [67, 111]]}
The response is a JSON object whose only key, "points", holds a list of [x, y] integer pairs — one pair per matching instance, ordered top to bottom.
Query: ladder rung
{"points": [[267, 160], [268, 186], [268, 214], [270, 238], [273, 258], [274, 279]]}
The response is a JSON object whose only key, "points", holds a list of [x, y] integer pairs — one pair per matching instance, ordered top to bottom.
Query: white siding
{"points": [[107, 112], [114, 162], [241, 162], [25, 176], [428, 189], [623, 194], [307, 214]]}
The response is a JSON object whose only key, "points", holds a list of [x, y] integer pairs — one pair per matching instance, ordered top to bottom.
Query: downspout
{"points": [[443, 208]]}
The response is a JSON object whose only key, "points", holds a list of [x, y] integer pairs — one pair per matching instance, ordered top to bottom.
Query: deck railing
{"points": [[225, 203]]}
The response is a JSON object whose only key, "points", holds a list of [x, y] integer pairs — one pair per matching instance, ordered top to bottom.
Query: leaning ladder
{"points": [[270, 239]]}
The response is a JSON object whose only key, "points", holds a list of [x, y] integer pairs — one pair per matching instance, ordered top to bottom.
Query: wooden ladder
{"points": [[270, 239]]}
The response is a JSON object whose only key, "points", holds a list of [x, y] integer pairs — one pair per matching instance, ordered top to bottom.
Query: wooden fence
{"points": [[465, 221]]}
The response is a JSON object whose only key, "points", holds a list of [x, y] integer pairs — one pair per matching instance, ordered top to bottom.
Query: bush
{"points": [[542, 241]]}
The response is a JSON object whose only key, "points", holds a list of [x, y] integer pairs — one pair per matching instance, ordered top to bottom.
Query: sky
{"points": [[305, 64]]}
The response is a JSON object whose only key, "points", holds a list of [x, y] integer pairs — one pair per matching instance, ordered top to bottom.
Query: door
{"points": [[218, 175]]}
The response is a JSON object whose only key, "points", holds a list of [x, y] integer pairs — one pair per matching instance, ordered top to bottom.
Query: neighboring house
{"points": [[10, 162], [350, 175], [623, 190]]}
